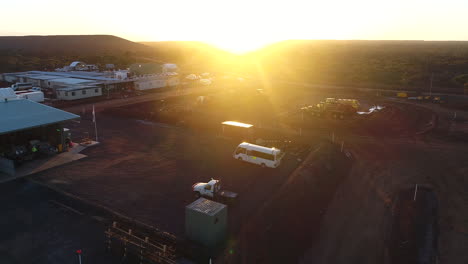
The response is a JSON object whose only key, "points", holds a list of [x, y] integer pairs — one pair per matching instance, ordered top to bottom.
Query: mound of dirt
{"points": [[396, 120], [414, 230]]}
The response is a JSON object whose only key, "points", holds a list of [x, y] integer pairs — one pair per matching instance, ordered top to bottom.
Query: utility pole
{"points": [[430, 87], [95, 124], [415, 192]]}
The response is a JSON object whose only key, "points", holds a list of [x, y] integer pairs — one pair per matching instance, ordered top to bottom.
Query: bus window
{"points": [[240, 151], [262, 155]]}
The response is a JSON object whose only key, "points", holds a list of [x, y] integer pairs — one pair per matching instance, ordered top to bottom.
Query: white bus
{"points": [[263, 156]]}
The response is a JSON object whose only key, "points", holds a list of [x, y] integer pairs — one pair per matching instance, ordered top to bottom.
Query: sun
{"points": [[239, 45]]}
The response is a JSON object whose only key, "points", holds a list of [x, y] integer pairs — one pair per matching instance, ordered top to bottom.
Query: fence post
{"points": [[108, 239]]}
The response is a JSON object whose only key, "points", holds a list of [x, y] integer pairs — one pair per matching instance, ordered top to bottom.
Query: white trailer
{"points": [[149, 83], [75, 93]]}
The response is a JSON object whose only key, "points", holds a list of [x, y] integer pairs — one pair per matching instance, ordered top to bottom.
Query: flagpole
{"points": [[95, 124]]}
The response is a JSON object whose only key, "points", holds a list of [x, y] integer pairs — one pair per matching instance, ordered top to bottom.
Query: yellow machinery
{"points": [[335, 108]]}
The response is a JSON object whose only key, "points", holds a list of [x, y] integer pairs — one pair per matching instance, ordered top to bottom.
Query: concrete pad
{"points": [[38, 165]]}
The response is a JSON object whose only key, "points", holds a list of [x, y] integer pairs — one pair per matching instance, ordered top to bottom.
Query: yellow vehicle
{"points": [[334, 108]]}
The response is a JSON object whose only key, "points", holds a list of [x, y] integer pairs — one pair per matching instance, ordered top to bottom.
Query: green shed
{"points": [[206, 222]]}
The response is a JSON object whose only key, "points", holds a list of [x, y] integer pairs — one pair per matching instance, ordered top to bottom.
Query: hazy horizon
{"points": [[242, 25]]}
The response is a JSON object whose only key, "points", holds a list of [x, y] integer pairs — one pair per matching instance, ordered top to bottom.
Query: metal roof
{"points": [[76, 63], [76, 74], [39, 76], [106, 77], [71, 80], [76, 88], [25, 114], [237, 124], [260, 148], [206, 206]]}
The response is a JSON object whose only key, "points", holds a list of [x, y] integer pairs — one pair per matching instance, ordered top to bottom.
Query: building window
{"points": [[96, 90], [83, 92], [66, 93], [73, 93]]}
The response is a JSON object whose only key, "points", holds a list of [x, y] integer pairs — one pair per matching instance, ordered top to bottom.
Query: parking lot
{"points": [[146, 170]]}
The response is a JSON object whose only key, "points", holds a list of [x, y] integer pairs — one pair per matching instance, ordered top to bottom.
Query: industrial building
{"points": [[51, 82], [73, 82], [27, 129]]}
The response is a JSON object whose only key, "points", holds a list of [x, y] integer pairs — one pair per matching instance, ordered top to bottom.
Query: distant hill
{"points": [[71, 45], [51, 52], [190, 54], [392, 64], [401, 64]]}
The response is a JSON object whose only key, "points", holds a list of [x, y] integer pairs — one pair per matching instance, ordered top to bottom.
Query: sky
{"points": [[239, 25]]}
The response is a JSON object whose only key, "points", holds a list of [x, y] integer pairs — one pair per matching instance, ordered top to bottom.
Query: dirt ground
{"points": [[144, 168]]}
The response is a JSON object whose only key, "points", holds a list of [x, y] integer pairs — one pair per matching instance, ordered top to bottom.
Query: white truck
{"points": [[212, 190]]}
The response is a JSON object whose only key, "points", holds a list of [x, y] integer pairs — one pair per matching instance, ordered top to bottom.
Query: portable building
{"points": [[11, 78], [172, 81], [149, 83], [78, 92], [238, 130], [206, 222]]}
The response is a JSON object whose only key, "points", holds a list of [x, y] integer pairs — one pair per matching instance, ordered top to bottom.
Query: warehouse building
{"points": [[28, 129]]}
